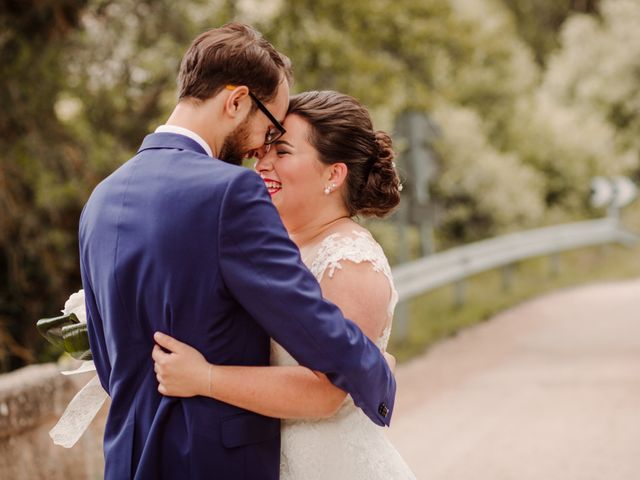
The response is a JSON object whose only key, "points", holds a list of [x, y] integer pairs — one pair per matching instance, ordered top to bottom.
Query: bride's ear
{"points": [[338, 174]]}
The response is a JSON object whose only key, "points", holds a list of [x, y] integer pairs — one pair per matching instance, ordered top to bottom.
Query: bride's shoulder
{"points": [[350, 242], [354, 274]]}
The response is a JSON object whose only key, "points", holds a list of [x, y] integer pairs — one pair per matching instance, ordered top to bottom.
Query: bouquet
{"points": [[69, 332]]}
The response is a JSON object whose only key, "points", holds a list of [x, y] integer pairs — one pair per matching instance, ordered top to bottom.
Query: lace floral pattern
{"points": [[357, 247], [347, 445]]}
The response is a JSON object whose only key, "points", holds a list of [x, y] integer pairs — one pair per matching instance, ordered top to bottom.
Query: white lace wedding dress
{"points": [[347, 446]]}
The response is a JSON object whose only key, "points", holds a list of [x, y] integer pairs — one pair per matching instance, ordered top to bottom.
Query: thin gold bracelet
{"points": [[210, 367]]}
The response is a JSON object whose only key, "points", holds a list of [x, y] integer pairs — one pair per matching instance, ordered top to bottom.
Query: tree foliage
{"points": [[539, 21], [597, 72], [82, 83], [532, 99], [40, 168]]}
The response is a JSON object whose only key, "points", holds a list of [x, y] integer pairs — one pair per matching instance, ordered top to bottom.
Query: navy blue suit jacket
{"points": [[182, 243]]}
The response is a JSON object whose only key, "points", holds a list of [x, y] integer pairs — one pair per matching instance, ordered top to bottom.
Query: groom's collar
{"points": [[187, 133], [171, 140]]}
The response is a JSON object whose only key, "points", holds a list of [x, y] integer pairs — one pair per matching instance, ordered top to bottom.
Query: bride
{"points": [[329, 167]]}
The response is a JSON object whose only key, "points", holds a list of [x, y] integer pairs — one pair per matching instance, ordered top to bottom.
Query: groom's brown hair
{"points": [[234, 54]]}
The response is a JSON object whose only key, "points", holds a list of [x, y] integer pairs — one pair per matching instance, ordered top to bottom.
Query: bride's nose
{"points": [[264, 161]]}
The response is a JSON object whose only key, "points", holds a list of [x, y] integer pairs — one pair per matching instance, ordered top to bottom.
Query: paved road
{"points": [[549, 390]]}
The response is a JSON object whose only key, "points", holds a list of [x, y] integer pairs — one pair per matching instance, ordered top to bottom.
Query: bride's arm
{"points": [[279, 391]]}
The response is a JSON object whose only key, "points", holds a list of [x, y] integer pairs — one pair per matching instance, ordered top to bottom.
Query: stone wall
{"points": [[31, 401]]}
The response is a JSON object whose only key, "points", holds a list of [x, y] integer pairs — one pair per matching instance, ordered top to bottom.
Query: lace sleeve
{"points": [[356, 247]]}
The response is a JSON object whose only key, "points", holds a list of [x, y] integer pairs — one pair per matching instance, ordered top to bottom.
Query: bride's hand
{"points": [[183, 371]]}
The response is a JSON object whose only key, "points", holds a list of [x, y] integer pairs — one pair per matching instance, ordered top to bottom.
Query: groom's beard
{"points": [[234, 147]]}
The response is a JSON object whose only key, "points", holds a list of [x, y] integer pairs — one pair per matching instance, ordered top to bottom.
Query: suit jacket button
{"points": [[383, 410]]}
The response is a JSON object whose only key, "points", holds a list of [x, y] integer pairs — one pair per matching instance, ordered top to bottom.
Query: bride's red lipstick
{"points": [[273, 186]]}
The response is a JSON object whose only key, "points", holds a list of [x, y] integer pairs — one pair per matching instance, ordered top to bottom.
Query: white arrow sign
{"points": [[625, 191], [601, 192], [617, 192]]}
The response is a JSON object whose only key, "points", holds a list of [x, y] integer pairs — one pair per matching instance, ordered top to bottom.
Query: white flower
{"points": [[75, 304]]}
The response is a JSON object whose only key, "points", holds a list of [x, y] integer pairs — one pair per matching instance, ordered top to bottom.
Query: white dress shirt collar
{"points": [[187, 133]]}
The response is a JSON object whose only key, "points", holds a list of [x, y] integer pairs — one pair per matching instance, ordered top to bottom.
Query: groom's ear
{"points": [[237, 102]]}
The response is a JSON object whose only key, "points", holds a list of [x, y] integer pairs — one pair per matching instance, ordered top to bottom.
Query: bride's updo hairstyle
{"points": [[341, 132]]}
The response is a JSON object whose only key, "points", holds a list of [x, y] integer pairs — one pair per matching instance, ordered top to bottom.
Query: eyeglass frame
{"points": [[276, 124]]}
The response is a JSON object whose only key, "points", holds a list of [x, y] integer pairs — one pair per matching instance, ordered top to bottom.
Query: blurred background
{"points": [[522, 103], [503, 112]]}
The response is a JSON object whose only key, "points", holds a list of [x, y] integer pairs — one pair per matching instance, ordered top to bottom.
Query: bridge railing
{"points": [[455, 265]]}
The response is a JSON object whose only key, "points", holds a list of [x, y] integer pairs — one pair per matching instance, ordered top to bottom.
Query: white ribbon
{"points": [[85, 367], [81, 410]]}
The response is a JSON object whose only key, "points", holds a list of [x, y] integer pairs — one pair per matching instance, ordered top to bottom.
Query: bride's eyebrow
{"points": [[284, 142]]}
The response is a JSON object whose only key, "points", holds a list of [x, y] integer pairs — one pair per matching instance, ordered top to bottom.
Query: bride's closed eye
{"points": [[282, 148]]}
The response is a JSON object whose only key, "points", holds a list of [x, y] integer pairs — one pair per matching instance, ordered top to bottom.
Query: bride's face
{"points": [[294, 175]]}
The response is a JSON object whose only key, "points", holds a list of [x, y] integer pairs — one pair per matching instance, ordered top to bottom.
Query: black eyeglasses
{"points": [[274, 132]]}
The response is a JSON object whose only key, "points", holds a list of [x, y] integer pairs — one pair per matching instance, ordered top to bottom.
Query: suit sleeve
{"points": [[261, 267], [94, 321]]}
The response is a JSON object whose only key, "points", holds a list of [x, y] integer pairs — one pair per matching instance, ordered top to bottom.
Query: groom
{"points": [[180, 239]]}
